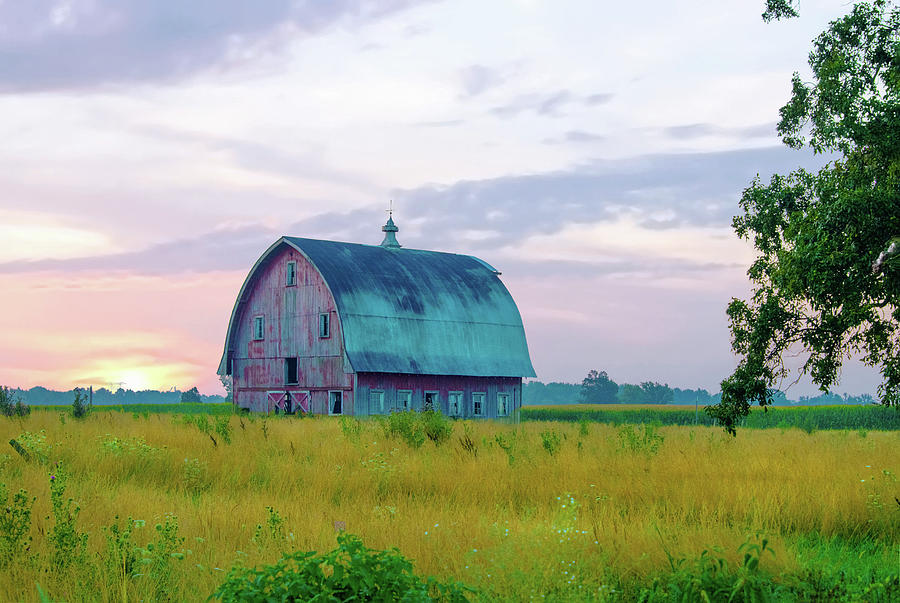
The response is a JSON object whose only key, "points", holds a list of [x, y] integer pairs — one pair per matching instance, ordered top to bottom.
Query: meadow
{"points": [[163, 505]]}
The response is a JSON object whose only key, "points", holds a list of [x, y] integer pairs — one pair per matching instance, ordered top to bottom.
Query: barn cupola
{"points": [[390, 237]]}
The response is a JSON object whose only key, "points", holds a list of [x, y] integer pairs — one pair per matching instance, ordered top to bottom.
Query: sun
{"points": [[133, 379]]}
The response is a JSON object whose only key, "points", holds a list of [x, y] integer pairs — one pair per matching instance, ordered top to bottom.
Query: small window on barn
{"points": [[291, 274], [324, 325], [259, 327], [291, 377], [404, 399], [432, 401], [335, 402], [376, 402], [454, 404], [478, 404], [502, 405]]}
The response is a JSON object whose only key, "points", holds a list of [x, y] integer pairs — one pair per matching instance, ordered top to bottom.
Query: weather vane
{"points": [[390, 210]]}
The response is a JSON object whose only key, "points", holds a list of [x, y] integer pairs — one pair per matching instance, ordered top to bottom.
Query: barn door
{"points": [[275, 400], [299, 401]]}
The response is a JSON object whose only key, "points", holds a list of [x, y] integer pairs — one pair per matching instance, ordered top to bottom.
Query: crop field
{"points": [[808, 418], [164, 505]]}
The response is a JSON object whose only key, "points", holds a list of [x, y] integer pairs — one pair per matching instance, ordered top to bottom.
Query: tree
{"points": [[818, 286], [598, 388], [656, 393], [631, 394], [191, 396]]}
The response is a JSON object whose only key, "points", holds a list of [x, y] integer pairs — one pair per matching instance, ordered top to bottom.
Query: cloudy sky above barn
{"points": [[593, 151]]}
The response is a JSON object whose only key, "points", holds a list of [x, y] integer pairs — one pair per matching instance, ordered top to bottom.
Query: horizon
{"points": [[593, 154]]}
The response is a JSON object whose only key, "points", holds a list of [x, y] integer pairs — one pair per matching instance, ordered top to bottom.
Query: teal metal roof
{"points": [[420, 312]]}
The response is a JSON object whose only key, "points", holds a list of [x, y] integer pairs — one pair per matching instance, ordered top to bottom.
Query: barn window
{"points": [[291, 274], [325, 324], [259, 327], [290, 371], [404, 399], [432, 401], [335, 402], [376, 402], [454, 404], [478, 404], [502, 405]]}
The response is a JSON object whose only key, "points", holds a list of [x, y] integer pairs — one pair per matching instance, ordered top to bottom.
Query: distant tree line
{"points": [[598, 388], [38, 396]]}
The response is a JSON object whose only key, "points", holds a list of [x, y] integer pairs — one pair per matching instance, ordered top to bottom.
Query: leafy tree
{"points": [[818, 286], [598, 388], [656, 393], [631, 394], [191, 396]]}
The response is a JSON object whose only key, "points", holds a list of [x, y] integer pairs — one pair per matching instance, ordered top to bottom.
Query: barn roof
{"points": [[414, 311]]}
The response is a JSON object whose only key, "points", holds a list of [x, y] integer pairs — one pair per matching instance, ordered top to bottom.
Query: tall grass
{"points": [[805, 417], [490, 506]]}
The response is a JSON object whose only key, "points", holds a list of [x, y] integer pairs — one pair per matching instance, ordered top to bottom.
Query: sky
{"points": [[594, 152]]}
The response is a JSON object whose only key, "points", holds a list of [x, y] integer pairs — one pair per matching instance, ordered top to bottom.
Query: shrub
{"points": [[11, 405], [80, 408], [405, 426], [437, 427], [646, 439], [552, 441], [15, 524], [68, 545], [351, 572]]}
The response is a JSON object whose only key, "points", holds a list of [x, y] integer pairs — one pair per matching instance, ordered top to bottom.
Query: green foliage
{"points": [[779, 9], [817, 283], [598, 388], [648, 392], [191, 396], [11, 405], [80, 406], [858, 417], [405, 426], [436, 426], [223, 428], [351, 428], [645, 438], [551, 440], [36, 444], [127, 446], [193, 476], [15, 525], [273, 532], [68, 546], [122, 554], [157, 557], [351, 572], [707, 578]]}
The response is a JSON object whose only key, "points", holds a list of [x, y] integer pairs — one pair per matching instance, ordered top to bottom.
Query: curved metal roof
{"points": [[419, 312]]}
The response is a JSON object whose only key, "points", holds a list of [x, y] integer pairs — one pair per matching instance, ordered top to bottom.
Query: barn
{"points": [[348, 329]]}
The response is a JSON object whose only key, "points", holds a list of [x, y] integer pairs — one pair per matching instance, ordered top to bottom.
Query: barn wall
{"points": [[291, 330], [444, 384]]}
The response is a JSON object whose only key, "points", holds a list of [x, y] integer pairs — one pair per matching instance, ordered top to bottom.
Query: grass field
{"points": [[542, 511]]}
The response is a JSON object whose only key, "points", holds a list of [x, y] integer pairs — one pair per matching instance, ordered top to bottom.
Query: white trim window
{"points": [[291, 274], [324, 325], [259, 327], [404, 399], [432, 400], [335, 402], [376, 402], [454, 403], [478, 403], [502, 405]]}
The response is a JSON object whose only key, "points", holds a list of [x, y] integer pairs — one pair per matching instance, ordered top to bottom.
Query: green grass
{"points": [[808, 418]]}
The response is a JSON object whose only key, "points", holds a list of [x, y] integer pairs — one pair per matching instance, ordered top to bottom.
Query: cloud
{"points": [[49, 45], [477, 79], [598, 99], [541, 104], [703, 130], [576, 136], [668, 197]]}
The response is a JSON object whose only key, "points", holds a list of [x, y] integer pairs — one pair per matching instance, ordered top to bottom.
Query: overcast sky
{"points": [[593, 151]]}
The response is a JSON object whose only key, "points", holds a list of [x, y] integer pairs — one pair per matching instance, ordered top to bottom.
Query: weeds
{"points": [[645, 439], [551, 440], [15, 526], [68, 546]]}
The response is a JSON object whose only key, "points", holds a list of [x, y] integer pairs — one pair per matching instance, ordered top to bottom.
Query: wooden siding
{"points": [[291, 331], [390, 383]]}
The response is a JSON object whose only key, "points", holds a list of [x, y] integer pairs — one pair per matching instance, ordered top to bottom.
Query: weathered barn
{"points": [[344, 328]]}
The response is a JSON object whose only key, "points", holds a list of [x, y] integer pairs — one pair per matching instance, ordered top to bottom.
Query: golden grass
{"points": [[485, 520]]}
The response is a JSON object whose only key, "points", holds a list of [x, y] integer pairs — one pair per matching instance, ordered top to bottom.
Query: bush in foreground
{"points": [[351, 572]]}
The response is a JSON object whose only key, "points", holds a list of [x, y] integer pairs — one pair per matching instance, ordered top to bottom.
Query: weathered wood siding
{"points": [[291, 331], [390, 383]]}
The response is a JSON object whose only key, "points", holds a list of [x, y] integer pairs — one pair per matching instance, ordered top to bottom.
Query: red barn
{"points": [[344, 328]]}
